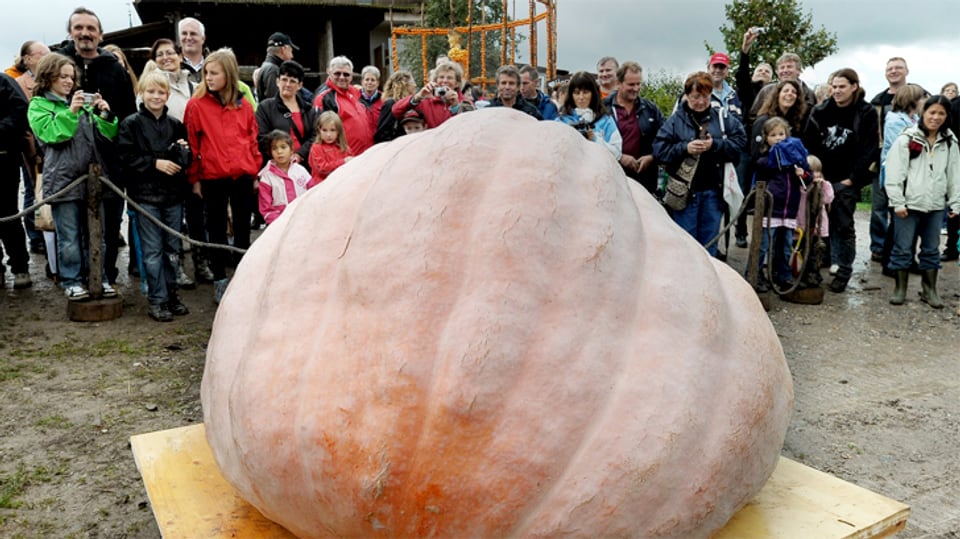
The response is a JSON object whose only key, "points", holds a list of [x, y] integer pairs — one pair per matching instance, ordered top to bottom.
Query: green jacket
{"points": [[70, 142]]}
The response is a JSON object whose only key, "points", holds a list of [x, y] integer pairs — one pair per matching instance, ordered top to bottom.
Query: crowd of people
{"points": [[205, 154]]}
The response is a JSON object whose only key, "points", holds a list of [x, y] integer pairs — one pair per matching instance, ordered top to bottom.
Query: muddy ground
{"points": [[877, 401]]}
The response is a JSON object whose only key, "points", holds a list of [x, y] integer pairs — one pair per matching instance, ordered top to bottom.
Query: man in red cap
{"points": [[723, 96]]}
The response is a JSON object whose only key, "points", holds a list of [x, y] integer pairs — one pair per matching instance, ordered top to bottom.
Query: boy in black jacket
{"points": [[153, 148]]}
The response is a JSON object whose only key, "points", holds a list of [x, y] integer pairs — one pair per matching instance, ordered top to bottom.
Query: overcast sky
{"points": [[661, 34]]}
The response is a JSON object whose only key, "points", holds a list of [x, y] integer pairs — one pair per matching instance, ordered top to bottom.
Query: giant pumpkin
{"points": [[487, 330]]}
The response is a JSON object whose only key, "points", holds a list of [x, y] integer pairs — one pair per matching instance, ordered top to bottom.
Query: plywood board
{"points": [[191, 500]]}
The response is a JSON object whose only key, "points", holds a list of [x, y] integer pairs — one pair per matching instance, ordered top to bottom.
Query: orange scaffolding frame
{"points": [[505, 26]]}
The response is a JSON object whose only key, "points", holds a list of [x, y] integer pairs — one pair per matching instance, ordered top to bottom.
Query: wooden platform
{"points": [[191, 500]]}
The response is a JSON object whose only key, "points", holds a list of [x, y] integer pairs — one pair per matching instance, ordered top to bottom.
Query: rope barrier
{"points": [[61, 193]]}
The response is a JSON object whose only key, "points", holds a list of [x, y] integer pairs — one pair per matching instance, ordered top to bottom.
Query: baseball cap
{"points": [[278, 39], [719, 58], [410, 116]]}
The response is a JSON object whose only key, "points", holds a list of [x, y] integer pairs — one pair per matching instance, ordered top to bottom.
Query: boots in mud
{"points": [[201, 266], [929, 289], [900, 292]]}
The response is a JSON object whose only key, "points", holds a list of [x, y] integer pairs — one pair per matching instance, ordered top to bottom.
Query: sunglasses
{"points": [[341, 74]]}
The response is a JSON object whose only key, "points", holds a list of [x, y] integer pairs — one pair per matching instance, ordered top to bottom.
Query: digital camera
{"points": [[440, 91], [180, 154]]}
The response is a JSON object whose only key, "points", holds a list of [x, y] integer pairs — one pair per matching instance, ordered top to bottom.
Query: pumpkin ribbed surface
{"points": [[487, 330]]}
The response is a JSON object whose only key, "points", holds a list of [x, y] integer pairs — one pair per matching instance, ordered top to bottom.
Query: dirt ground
{"points": [[877, 400]]}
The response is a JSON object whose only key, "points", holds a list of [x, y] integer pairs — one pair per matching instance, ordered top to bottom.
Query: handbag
{"points": [[676, 192], [732, 192], [42, 216]]}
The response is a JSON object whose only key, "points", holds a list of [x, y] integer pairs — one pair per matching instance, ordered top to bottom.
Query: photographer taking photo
{"points": [[439, 100]]}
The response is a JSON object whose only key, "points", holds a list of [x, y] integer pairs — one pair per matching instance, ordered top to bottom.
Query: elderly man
{"points": [[192, 37], [279, 49], [30, 54], [99, 72], [607, 75], [530, 90], [508, 92], [338, 95], [438, 100], [638, 120]]}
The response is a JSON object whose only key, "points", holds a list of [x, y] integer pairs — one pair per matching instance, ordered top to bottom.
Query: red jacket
{"points": [[434, 109], [357, 122], [223, 139], [324, 159]]}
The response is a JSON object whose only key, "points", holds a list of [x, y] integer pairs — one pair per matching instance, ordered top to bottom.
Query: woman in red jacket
{"points": [[222, 132]]}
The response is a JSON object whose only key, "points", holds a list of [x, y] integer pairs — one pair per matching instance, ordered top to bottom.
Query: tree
{"points": [[448, 14], [787, 29], [663, 88]]}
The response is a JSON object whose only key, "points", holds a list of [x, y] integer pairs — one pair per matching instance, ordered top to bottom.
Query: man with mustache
{"points": [[99, 72]]}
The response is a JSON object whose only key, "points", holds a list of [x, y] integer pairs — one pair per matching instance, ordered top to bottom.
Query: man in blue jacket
{"points": [[530, 90]]}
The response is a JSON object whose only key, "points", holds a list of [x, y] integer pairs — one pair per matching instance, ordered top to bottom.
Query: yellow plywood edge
{"points": [[191, 500]]}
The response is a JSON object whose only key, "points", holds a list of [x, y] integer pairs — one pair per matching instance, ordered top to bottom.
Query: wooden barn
{"points": [[357, 29]]}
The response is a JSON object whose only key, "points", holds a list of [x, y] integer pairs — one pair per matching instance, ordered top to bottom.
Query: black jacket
{"points": [[105, 75], [266, 81], [520, 104], [272, 114], [13, 116], [650, 120], [142, 140], [852, 153]]}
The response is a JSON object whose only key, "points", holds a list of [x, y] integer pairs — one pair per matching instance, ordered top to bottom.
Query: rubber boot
{"points": [[900, 292], [929, 292]]}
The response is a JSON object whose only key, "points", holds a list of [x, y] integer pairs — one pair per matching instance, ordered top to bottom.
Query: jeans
{"points": [[238, 193], [29, 199], [879, 216], [701, 217], [70, 221], [926, 226], [11, 232], [843, 235], [782, 249], [159, 250]]}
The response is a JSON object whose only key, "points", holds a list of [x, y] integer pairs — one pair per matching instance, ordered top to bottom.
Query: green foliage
{"points": [[437, 14], [788, 29], [663, 88]]}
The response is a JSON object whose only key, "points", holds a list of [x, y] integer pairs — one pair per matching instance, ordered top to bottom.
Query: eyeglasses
{"points": [[341, 75]]}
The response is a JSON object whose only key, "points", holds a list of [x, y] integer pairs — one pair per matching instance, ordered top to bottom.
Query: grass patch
{"points": [[70, 348], [54, 422], [12, 486]]}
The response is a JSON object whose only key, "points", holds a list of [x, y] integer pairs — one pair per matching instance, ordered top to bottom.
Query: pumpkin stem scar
{"points": [[345, 246]]}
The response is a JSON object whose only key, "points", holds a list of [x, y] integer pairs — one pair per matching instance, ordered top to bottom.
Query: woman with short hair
{"points": [[694, 131]]}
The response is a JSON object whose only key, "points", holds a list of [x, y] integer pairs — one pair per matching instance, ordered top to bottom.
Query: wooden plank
{"points": [[189, 496], [192, 500], [799, 502]]}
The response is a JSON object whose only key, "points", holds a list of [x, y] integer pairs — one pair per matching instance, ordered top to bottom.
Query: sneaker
{"points": [[834, 268], [202, 271], [21, 280], [183, 280], [838, 285], [219, 288], [109, 291], [76, 293], [176, 307], [159, 313]]}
